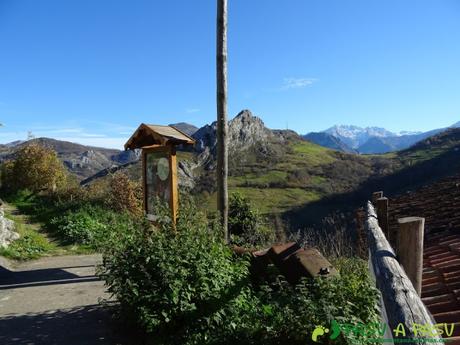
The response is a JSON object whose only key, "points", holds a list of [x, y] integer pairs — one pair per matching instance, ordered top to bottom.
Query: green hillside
{"points": [[407, 170], [296, 174], [304, 182]]}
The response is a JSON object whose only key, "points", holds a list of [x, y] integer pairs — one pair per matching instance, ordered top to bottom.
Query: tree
{"points": [[222, 149], [36, 168]]}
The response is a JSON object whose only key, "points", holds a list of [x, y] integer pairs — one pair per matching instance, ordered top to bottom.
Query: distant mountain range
{"points": [[345, 138], [369, 140], [249, 141], [83, 161], [281, 172]]}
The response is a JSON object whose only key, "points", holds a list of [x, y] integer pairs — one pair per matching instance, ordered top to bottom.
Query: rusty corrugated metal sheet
{"points": [[291, 260]]}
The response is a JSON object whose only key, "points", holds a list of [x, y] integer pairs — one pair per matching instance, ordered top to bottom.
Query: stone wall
{"points": [[7, 233]]}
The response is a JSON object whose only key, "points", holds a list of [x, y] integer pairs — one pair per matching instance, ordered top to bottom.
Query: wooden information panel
{"points": [[160, 179]]}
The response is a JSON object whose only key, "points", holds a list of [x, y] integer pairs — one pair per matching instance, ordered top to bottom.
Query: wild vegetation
{"points": [[62, 216], [188, 279], [182, 285], [188, 287]]}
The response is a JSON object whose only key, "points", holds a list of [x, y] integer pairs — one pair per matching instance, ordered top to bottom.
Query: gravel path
{"points": [[53, 300]]}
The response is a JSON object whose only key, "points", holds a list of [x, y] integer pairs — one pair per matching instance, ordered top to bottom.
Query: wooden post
{"points": [[222, 125], [144, 181], [375, 196], [174, 200], [382, 215], [360, 216], [410, 248]]}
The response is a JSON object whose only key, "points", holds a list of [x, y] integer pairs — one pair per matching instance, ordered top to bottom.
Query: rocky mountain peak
{"points": [[246, 115], [246, 129], [243, 131]]}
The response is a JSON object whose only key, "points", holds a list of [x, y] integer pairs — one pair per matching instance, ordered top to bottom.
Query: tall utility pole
{"points": [[222, 147]]}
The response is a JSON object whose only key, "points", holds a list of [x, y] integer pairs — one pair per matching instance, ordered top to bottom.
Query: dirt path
{"points": [[53, 300]]}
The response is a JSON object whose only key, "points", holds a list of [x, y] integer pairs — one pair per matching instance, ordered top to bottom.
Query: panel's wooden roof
{"points": [[149, 135]]}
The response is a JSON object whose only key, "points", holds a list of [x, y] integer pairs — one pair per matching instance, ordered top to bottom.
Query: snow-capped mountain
{"points": [[355, 136], [370, 139]]}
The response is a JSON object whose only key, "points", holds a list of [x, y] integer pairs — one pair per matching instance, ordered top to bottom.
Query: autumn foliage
{"points": [[35, 168], [125, 195]]}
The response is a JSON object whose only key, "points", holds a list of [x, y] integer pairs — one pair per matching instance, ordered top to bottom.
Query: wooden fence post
{"points": [[375, 196], [382, 215], [360, 216], [410, 248]]}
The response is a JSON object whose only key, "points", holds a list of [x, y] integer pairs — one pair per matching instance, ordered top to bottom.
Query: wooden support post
{"points": [[375, 196], [174, 198], [382, 215], [360, 216], [410, 249]]}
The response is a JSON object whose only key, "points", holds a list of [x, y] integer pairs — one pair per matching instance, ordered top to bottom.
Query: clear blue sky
{"points": [[92, 70]]}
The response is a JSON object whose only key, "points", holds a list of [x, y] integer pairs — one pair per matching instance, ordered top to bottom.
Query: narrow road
{"points": [[54, 300]]}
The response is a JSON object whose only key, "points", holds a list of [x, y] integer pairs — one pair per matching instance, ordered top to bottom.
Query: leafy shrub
{"points": [[125, 195], [245, 223], [89, 225], [79, 227], [179, 283], [185, 286], [289, 314]]}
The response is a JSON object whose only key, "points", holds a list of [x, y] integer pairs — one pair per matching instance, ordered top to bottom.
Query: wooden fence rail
{"points": [[401, 303]]}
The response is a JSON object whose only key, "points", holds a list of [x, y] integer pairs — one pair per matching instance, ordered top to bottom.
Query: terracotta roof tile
{"points": [[439, 204], [448, 316]]}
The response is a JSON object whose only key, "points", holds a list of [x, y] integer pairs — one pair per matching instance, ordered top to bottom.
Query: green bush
{"points": [[245, 224], [89, 225], [80, 227], [179, 283], [185, 286], [289, 314]]}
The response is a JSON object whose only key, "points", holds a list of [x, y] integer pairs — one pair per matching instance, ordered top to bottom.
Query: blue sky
{"points": [[92, 70]]}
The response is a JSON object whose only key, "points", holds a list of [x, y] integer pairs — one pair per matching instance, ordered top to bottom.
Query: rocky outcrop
{"points": [[244, 132], [186, 178], [7, 233]]}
